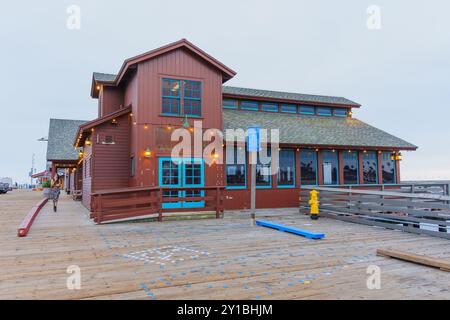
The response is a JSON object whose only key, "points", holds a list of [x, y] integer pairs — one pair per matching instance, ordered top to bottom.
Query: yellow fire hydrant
{"points": [[314, 204]]}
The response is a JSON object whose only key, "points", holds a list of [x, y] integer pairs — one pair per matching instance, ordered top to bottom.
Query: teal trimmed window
{"points": [[173, 90], [192, 94], [229, 104], [249, 105], [269, 107], [289, 108], [307, 110], [324, 111], [340, 112], [308, 167], [351, 167], [370, 167], [236, 168], [388, 168], [264, 170], [286, 171]]}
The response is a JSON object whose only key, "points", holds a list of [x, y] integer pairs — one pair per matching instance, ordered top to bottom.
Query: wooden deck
{"points": [[206, 259]]}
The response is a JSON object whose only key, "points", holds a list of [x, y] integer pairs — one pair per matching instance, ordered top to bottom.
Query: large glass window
{"points": [[173, 89], [171, 96], [229, 104], [249, 105], [270, 107], [289, 108], [308, 110], [324, 111], [340, 112], [330, 164], [235, 167], [308, 167], [351, 167], [370, 167], [388, 168], [263, 170], [286, 171]]}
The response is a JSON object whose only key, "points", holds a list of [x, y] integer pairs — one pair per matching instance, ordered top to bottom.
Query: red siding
{"points": [[111, 165]]}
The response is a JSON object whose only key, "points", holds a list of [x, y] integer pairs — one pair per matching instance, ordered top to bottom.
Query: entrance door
{"points": [[182, 172], [327, 177]]}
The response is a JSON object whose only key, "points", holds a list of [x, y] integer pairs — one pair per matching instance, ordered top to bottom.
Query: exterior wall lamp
{"points": [[114, 121], [147, 153], [80, 154]]}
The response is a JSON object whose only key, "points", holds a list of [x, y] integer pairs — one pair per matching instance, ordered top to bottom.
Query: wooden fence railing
{"points": [[117, 204], [413, 211]]}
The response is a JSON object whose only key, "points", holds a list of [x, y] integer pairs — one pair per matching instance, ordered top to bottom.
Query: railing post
{"points": [[160, 199], [217, 203], [99, 209]]}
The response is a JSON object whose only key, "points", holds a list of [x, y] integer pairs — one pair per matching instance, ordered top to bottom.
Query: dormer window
{"points": [[173, 90]]}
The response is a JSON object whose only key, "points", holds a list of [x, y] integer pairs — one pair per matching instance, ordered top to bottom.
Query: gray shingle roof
{"points": [[98, 76], [287, 96], [315, 130], [61, 135]]}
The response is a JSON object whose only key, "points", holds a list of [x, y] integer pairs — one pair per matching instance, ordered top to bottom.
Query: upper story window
{"points": [[173, 90], [229, 103], [249, 105], [269, 106], [289, 108], [308, 110], [324, 111], [340, 112]]}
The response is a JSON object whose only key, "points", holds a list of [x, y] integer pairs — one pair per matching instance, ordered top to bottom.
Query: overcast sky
{"points": [[399, 73]]}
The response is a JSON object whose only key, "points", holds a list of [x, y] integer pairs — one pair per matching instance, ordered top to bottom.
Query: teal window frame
{"points": [[192, 95], [171, 98], [226, 104], [250, 105], [269, 107], [286, 108], [307, 110], [324, 111], [337, 112], [387, 156], [333, 158], [347, 159], [364, 159], [293, 161], [235, 164], [260, 166], [316, 166]]}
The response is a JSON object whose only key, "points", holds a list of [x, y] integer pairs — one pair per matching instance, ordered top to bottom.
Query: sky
{"points": [[394, 61]]}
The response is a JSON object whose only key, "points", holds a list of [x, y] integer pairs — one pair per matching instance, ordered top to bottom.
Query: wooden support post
{"points": [[160, 200], [218, 203], [99, 209]]}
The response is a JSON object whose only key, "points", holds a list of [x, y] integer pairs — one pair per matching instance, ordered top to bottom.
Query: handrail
{"points": [[137, 189], [381, 193]]}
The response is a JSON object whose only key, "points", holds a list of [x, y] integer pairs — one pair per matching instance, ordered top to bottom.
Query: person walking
{"points": [[54, 194]]}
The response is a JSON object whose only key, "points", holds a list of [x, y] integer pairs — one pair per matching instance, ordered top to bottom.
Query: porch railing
{"points": [[125, 203], [422, 209]]}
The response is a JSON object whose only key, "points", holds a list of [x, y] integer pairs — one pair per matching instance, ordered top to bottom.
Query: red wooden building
{"points": [[126, 151]]}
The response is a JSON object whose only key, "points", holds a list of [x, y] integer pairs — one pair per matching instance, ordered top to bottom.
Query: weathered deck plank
{"points": [[236, 260]]}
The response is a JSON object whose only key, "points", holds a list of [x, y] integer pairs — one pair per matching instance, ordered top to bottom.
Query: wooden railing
{"points": [[125, 203], [407, 208]]}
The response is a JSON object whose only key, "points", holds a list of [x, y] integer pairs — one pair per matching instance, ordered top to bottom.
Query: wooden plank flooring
{"points": [[206, 259]]}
